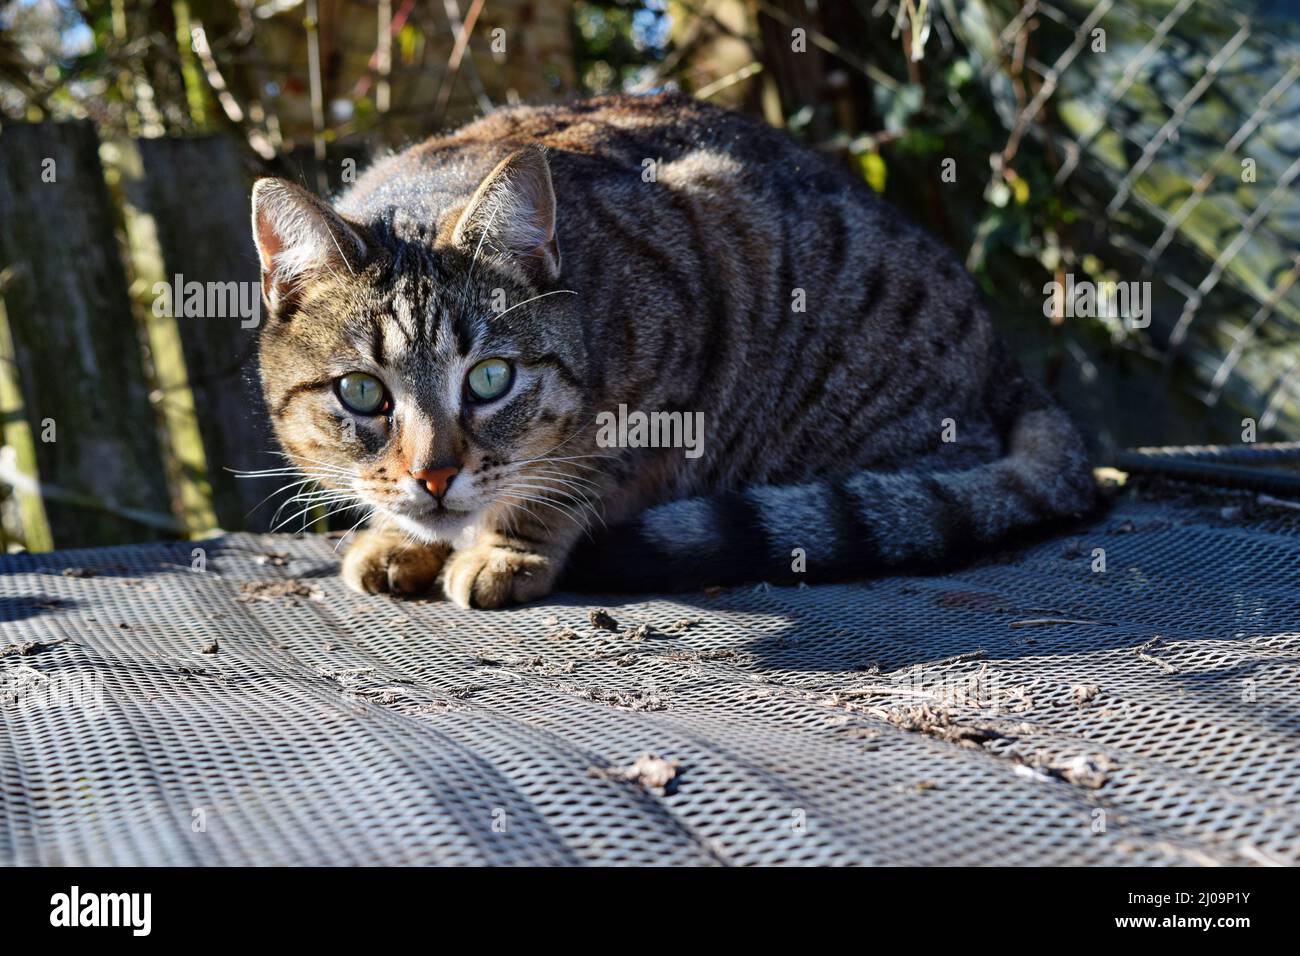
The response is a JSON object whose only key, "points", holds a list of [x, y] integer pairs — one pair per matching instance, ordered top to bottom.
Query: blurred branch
{"points": [[312, 25], [820, 39], [457, 55], [383, 58], [739, 76]]}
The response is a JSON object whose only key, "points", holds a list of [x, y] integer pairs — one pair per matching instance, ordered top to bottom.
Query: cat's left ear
{"points": [[512, 213], [298, 236]]}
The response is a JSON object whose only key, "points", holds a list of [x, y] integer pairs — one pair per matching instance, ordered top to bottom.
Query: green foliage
{"points": [[614, 42]]}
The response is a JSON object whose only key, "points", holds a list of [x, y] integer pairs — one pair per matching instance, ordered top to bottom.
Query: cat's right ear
{"points": [[299, 236]]}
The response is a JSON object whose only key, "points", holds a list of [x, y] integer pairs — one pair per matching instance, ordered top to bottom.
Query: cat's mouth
{"points": [[438, 522]]}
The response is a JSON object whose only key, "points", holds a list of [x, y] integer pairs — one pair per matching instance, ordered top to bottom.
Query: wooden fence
{"points": [[122, 424]]}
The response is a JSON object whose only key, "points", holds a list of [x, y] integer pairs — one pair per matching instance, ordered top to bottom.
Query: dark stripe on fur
{"points": [[624, 558]]}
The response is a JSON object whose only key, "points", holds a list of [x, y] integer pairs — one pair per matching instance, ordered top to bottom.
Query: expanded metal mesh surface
{"points": [[927, 720]]}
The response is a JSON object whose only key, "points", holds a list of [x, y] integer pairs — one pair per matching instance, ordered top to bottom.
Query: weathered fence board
{"points": [[343, 162], [196, 194], [75, 340]]}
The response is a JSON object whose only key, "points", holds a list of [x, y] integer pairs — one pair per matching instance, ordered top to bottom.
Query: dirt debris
{"points": [[80, 573], [273, 590], [602, 620], [211, 647], [23, 648], [1141, 652], [714, 654], [975, 655], [529, 662], [344, 675], [17, 681], [980, 689], [1084, 694], [380, 695], [638, 701], [435, 707], [940, 724], [862, 733], [649, 770], [1084, 771], [1090, 771], [1031, 773]]}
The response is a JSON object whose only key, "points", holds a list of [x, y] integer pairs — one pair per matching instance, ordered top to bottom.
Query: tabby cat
{"points": [[442, 343]]}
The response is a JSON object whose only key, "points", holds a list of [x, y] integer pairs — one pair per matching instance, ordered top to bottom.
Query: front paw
{"points": [[385, 561], [487, 576]]}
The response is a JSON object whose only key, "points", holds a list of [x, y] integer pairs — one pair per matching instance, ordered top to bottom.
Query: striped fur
{"points": [[824, 428]]}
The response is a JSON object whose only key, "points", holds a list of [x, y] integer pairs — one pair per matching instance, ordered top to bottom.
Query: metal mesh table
{"points": [[1026, 710]]}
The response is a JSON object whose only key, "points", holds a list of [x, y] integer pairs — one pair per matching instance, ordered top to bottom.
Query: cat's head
{"points": [[424, 368]]}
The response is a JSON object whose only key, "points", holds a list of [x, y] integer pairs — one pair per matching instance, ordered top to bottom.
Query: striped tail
{"points": [[859, 525]]}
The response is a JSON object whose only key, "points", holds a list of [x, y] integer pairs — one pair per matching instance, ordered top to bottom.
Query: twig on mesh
{"points": [[1272, 502], [1039, 621], [23, 648], [1141, 652]]}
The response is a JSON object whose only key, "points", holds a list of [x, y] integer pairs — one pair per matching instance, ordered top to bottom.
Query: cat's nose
{"points": [[436, 479]]}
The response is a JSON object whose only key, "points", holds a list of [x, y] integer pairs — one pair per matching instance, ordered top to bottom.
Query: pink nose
{"points": [[436, 479]]}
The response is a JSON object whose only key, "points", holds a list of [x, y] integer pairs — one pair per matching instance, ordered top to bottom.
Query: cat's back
{"points": [[602, 143], [740, 272]]}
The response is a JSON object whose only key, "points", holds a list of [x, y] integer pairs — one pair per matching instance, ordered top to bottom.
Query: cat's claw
{"points": [[386, 562], [486, 576]]}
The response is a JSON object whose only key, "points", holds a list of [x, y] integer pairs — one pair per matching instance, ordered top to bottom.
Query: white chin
{"points": [[449, 526]]}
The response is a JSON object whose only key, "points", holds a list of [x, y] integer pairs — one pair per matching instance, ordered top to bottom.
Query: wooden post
{"points": [[344, 162], [195, 192], [76, 345]]}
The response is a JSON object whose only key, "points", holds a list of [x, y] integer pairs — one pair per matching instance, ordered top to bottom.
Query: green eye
{"points": [[489, 379], [361, 393]]}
